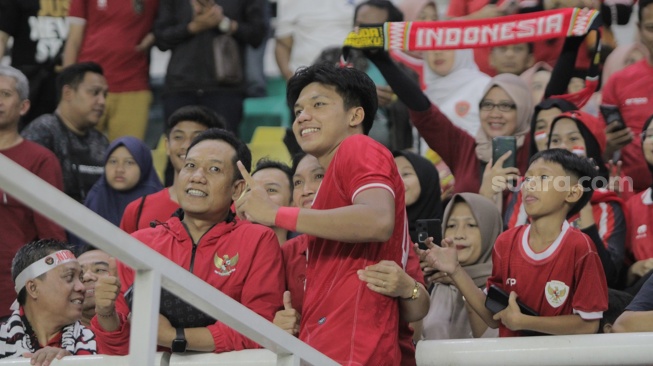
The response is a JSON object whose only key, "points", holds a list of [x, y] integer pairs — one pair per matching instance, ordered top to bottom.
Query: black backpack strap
{"points": [[140, 210]]}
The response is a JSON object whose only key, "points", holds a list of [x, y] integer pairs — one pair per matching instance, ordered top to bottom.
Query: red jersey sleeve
{"points": [[366, 164], [49, 170], [262, 293], [590, 298], [112, 343]]}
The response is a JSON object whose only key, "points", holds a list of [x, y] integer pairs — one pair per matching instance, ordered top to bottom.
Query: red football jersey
{"points": [[631, 89], [640, 208], [566, 278], [342, 317]]}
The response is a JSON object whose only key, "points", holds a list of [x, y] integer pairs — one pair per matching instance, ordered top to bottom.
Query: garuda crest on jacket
{"points": [[225, 265]]}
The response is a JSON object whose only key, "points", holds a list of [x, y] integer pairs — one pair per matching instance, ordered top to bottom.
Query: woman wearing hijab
{"points": [[455, 85], [505, 110], [128, 175], [422, 183], [473, 222]]}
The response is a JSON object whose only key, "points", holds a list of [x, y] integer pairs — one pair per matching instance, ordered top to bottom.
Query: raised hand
{"points": [[496, 178], [254, 204], [443, 259], [287, 319]]}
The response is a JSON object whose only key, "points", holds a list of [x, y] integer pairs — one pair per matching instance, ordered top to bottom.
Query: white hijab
{"points": [[458, 94]]}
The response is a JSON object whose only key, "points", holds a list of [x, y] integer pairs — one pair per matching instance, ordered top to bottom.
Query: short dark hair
{"points": [[641, 4], [394, 14], [73, 75], [353, 86], [195, 113], [242, 151], [296, 159], [266, 163], [574, 166], [81, 249], [30, 253]]}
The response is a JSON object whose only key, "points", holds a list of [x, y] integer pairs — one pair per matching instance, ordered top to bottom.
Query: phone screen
{"points": [[500, 146]]}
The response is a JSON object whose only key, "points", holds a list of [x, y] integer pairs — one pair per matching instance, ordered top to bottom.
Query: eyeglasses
{"points": [[503, 107]]}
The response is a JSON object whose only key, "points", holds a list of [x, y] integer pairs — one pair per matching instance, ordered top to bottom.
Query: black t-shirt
{"points": [[39, 28], [81, 157]]}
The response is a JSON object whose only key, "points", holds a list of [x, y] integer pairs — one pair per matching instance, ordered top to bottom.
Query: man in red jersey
{"points": [[631, 90], [357, 218]]}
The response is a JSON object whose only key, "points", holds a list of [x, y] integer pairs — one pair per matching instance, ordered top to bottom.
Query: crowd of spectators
{"points": [[364, 244]]}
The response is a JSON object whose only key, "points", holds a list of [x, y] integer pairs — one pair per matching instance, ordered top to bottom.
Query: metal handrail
{"points": [[153, 271]]}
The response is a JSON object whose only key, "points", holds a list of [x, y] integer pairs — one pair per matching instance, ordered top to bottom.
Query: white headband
{"points": [[42, 266]]}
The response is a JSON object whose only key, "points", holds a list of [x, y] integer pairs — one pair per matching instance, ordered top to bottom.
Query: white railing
{"points": [[153, 271], [625, 349]]}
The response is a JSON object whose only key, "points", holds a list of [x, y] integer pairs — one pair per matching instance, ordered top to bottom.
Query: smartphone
{"points": [[612, 115], [500, 146], [428, 228], [497, 300]]}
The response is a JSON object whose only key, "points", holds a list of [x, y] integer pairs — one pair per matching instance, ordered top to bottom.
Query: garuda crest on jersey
{"points": [[225, 265], [556, 293]]}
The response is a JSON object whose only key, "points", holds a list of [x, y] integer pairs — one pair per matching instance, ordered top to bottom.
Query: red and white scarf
{"points": [[461, 34], [16, 338]]}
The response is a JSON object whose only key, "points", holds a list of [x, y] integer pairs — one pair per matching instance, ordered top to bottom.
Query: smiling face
{"points": [[441, 62], [87, 101], [11, 107], [321, 120], [495, 122], [543, 126], [566, 135], [179, 140], [121, 170], [306, 181], [206, 182], [411, 182], [276, 185], [464, 231], [94, 264], [60, 294]]}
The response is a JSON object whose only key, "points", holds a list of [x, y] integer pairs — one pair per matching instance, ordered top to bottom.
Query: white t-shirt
{"points": [[314, 25]]}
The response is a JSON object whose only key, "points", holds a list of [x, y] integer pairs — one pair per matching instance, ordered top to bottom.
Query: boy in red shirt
{"points": [[334, 109], [552, 267]]}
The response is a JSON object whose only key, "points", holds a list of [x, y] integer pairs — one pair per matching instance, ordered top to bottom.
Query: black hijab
{"points": [[562, 104], [428, 204]]}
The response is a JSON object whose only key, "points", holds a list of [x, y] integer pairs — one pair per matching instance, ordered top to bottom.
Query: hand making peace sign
{"points": [[254, 204]]}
